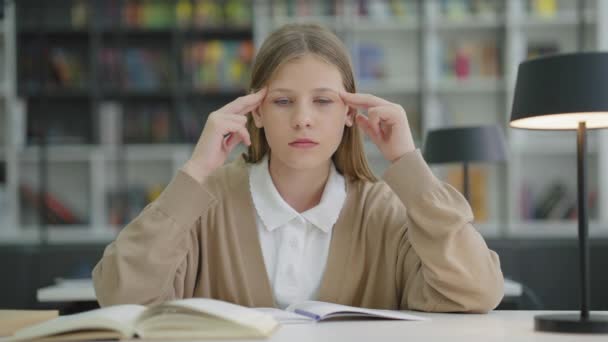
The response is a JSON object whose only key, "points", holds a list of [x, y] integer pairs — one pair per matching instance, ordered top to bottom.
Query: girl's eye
{"points": [[323, 101], [282, 102]]}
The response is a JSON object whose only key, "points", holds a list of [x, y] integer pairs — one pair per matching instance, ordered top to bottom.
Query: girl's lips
{"points": [[303, 144]]}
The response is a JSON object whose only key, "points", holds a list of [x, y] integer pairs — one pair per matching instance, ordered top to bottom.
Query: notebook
{"points": [[316, 311], [194, 318]]}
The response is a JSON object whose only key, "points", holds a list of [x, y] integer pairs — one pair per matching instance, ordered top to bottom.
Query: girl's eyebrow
{"points": [[286, 90]]}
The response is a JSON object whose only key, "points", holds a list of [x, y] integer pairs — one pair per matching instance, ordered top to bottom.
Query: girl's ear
{"points": [[350, 116], [257, 117]]}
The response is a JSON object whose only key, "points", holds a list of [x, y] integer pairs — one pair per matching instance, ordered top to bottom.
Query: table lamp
{"points": [[567, 92], [465, 145]]}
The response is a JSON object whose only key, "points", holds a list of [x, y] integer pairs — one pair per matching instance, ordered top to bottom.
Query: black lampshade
{"points": [[557, 92], [465, 144]]}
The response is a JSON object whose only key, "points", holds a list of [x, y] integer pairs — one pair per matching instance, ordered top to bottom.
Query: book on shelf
{"points": [[307, 8], [543, 8], [380, 10], [459, 10], [542, 48], [464, 60], [370, 63], [217, 64], [144, 69], [146, 123], [190, 124], [478, 189], [554, 202], [125, 205], [56, 211], [194, 318]]}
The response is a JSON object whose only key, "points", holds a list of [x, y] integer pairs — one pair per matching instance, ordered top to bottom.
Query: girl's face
{"points": [[303, 114]]}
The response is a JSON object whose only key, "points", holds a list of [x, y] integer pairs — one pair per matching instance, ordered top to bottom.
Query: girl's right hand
{"points": [[225, 128]]}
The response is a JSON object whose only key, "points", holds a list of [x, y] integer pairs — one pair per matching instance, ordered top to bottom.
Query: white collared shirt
{"points": [[295, 245]]}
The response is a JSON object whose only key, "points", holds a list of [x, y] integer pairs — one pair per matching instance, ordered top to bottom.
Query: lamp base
{"points": [[572, 323]]}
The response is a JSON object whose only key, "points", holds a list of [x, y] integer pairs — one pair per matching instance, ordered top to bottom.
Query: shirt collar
{"points": [[275, 212]]}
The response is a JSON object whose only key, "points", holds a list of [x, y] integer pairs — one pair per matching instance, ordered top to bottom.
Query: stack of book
{"points": [[217, 64]]}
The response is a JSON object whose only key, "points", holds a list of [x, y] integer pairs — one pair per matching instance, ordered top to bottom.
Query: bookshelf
{"points": [[122, 82], [129, 84]]}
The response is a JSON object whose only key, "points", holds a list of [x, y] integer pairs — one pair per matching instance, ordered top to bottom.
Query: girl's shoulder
{"points": [[374, 197]]}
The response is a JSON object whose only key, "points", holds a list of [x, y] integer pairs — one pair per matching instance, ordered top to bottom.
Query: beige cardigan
{"points": [[201, 241]]}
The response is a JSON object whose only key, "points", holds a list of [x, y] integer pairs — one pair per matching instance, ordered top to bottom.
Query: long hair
{"points": [[293, 41]]}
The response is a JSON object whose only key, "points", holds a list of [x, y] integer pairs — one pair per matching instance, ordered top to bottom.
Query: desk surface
{"points": [[81, 290], [495, 326]]}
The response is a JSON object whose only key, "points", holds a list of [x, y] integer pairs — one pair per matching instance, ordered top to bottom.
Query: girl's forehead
{"points": [[307, 70]]}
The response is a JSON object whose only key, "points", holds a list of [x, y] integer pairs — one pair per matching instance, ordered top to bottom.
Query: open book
{"points": [[315, 311], [194, 318]]}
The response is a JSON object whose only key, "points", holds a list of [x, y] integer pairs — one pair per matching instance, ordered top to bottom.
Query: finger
{"points": [[364, 101], [245, 104], [373, 116], [241, 119], [364, 124], [237, 129], [232, 141]]}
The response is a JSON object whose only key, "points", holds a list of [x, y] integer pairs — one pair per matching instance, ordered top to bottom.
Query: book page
{"points": [[323, 310], [238, 315], [286, 317], [119, 318], [13, 320]]}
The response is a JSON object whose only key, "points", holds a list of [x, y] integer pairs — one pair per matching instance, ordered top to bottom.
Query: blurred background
{"points": [[102, 101]]}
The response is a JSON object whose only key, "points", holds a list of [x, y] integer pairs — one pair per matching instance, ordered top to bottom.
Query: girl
{"points": [[301, 216]]}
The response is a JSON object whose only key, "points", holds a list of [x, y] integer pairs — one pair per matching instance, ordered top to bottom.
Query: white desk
{"points": [[74, 290], [81, 290], [511, 326]]}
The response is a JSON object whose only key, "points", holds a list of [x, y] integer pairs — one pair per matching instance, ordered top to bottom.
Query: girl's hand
{"points": [[386, 124], [225, 128]]}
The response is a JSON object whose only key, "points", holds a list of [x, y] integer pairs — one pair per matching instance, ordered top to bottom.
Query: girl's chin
{"points": [[302, 161]]}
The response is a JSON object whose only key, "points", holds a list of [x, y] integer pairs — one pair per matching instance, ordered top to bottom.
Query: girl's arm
{"points": [[155, 257], [444, 264]]}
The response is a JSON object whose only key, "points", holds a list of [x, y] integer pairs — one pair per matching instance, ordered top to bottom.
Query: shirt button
{"points": [[293, 243]]}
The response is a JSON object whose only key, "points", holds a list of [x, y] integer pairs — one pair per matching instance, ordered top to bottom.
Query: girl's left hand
{"points": [[386, 124]]}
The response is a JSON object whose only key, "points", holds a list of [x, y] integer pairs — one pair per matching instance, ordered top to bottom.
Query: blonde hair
{"points": [[285, 44]]}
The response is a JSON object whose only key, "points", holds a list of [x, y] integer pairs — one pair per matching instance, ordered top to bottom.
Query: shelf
{"points": [[565, 18], [329, 21], [471, 23], [391, 25], [53, 32], [127, 33], [218, 33], [471, 85], [388, 87], [56, 93], [225, 93], [137, 94], [131, 152], [149, 152], [59, 153], [490, 229], [555, 229], [30, 235]]}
